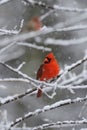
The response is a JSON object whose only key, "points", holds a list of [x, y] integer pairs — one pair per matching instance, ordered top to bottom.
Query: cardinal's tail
{"points": [[39, 93]]}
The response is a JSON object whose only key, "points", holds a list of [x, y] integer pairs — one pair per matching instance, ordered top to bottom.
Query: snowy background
{"points": [[65, 34]]}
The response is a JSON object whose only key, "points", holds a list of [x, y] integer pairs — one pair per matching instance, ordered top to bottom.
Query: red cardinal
{"points": [[33, 25], [48, 70]]}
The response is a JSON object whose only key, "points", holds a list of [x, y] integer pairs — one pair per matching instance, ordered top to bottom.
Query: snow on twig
{"points": [[4, 1], [55, 7], [46, 14], [72, 21], [71, 28], [9, 32], [25, 36], [22, 37], [51, 41], [34, 46], [3, 50], [21, 65], [74, 65], [68, 69], [14, 80], [32, 81], [36, 83], [66, 84], [9, 99], [48, 108], [60, 124]]}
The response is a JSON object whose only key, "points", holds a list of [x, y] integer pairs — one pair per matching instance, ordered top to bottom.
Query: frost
{"points": [[4, 1], [63, 32], [46, 107], [37, 111]]}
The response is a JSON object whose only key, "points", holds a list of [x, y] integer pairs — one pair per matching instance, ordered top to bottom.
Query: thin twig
{"points": [[4, 1], [55, 7], [25, 36], [68, 42], [34, 46], [73, 66], [36, 83], [9, 99], [48, 108], [59, 124]]}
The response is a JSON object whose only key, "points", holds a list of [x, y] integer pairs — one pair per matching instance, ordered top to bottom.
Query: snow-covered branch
{"points": [[4, 1], [55, 7], [67, 28], [71, 28], [8, 32], [25, 36], [51, 41], [30, 45], [71, 67], [14, 80], [68, 84], [10, 99], [48, 108], [60, 124]]}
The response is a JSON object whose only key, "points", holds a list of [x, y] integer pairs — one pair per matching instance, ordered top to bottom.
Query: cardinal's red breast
{"points": [[48, 70]]}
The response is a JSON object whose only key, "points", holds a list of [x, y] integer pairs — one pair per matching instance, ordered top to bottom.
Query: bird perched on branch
{"points": [[33, 25], [48, 70]]}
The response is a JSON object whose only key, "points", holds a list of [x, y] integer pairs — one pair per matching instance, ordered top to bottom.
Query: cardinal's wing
{"points": [[39, 72]]}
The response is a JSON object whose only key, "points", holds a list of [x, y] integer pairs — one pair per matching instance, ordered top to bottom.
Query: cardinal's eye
{"points": [[47, 60]]}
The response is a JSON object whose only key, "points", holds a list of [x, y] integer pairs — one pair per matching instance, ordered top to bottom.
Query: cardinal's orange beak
{"points": [[45, 60]]}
